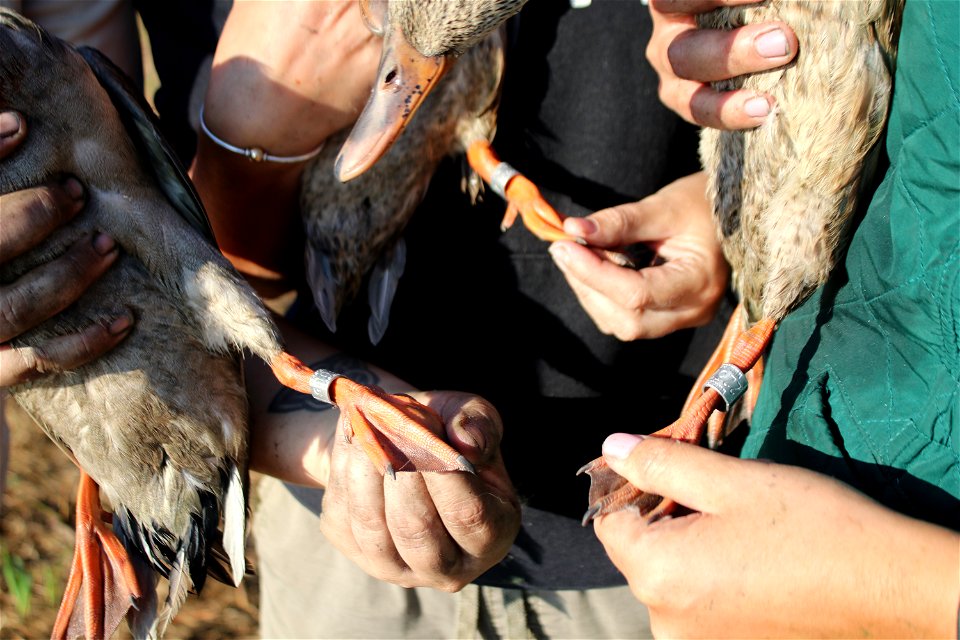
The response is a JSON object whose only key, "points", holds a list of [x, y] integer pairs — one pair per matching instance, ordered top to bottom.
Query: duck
{"points": [[444, 62], [785, 198], [159, 424]]}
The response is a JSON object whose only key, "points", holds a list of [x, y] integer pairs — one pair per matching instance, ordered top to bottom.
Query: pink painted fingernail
{"points": [[772, 44], [757, 107], [9, 124], [73, 188], [580, 226], [103, 244], [120, 325], [619, 445]]}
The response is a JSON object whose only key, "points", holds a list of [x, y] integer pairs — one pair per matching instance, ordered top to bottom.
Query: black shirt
{"points": [[489, 313]]}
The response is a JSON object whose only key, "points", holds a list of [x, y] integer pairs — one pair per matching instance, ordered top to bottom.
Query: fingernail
{"points": [[772, 44], [757, 107], [9, 124], [73, 188], [580, 226], [103, 244], [559, 253], [120, 325], [619, 445]]}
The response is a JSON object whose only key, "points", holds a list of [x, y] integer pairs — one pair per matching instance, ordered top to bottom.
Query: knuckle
{"points": [[16, 306], [468, 517], [411, 532], [450, 585]]}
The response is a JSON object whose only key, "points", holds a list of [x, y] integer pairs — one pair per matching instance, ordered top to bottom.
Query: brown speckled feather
{"points": [[784, 193], [160, 422]]}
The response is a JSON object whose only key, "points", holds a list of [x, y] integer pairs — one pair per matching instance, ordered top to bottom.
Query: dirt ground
{"points": [[36, 546]]}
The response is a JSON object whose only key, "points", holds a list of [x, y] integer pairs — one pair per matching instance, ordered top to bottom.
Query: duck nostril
{"points": [[391, 77]]}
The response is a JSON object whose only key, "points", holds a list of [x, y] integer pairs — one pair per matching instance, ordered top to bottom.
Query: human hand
{"points": [[687, 59], [288, 75], [285, 77], [29, 216], [650, 302], [437, 530], [774, 550]]}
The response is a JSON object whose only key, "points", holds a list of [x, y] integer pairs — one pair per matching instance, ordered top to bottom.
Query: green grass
{"points": [[18, 581]]}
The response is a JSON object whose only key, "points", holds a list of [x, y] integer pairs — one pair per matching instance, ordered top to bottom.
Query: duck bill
{"points": [[404, 79]]}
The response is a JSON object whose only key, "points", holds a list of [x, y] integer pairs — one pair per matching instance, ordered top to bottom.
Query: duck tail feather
{"points": [[234, 524], [180, 585], [142, 616]]}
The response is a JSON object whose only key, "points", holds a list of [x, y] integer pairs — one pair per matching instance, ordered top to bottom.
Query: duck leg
{"points": [[521, 194], [396, 432], [610, 493], [102, 583]]}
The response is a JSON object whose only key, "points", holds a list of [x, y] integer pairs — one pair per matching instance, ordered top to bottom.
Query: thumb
{"points": [[617, 226], [473, 425], [695, 477]]}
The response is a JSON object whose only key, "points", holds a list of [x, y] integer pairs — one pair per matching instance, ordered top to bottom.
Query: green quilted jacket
{"points": [[863, 380]]}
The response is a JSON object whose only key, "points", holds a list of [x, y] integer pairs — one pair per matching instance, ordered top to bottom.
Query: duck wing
{"points": [[144, 130]]}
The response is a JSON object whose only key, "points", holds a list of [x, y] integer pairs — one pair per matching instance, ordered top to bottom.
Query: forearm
{"points": [[291, 434]]}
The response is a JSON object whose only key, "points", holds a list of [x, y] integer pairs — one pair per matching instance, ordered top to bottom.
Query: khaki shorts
{"points": [[309, 590]]}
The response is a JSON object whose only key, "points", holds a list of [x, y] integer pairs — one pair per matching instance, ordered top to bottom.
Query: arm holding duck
{"points": [[282, 81], [470, 519]]}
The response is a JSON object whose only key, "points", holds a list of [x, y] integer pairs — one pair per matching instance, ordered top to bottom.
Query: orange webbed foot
{"points": [[396, 432], [609, 492], [102, 584]]}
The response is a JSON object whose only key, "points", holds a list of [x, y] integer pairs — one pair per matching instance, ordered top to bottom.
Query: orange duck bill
{"points": [[404, 79], [740, 354], [396, 432]]}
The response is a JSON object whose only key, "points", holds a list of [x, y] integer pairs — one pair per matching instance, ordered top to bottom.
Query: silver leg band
{"points": [[499, 178], [729, 382], [320, 383]]}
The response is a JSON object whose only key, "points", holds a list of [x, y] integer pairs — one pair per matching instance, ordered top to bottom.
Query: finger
{"points": [[694, 6], [708, 55], [707, 107], [12, 131], [30, 215], [623, 225], [671, 286], [52, 287], [63, 353], [473, 426], [695, 477], [480, 513], [368, 518], [417, 531]]}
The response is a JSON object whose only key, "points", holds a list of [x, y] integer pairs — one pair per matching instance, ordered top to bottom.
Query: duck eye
{"points": [[374, 14]]}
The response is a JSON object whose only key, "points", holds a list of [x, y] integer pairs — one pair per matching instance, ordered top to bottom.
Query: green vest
{"points": [[863, 380]]}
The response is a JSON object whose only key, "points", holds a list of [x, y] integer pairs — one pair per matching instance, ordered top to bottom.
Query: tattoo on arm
{"points": [[288, 400]]}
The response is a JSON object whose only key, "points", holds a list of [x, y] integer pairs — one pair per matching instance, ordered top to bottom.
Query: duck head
{"points": [[421, 40]]}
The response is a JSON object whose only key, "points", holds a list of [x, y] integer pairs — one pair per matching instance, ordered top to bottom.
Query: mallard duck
{"points": [[443, 61], [784, 196], [159, 424]]}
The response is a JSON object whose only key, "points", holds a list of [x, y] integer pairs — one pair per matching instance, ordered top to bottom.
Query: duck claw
{"points": [[396, 432], [610, 492]]}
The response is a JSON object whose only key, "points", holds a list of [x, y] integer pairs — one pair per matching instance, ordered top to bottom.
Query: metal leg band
{"points": [[500, 176], [730, 382], [320, 383]]}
